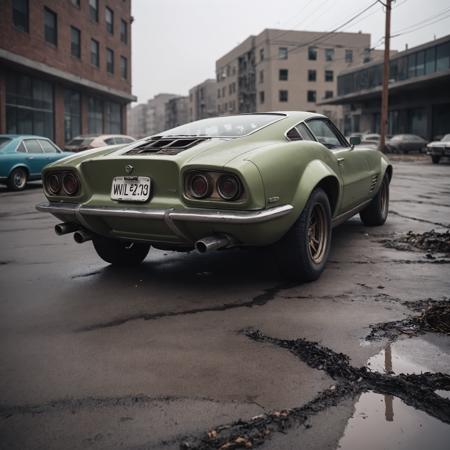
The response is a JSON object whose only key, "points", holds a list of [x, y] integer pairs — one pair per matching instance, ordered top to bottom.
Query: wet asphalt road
{"points": [[95, 357]]}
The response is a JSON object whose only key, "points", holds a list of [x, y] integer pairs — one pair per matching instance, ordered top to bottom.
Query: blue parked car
{"points": [[22, 158]]}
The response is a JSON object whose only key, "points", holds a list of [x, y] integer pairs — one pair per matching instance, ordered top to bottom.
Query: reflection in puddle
{"points": [[430, 353], [442, 393], [381, 423]]}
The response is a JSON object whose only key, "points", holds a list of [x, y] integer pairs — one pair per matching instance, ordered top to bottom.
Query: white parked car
{"points": [[86, 142], [439, 149]]}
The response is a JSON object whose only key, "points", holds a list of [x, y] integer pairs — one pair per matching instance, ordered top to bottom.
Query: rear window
{"points": [[226, 126], [4, 141], [80, 141]]}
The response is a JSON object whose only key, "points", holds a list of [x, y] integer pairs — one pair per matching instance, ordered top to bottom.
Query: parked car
{"points": [[373, 139], [86, 142], [405, 143], [439, 149], [22, 158], [233, 181]]}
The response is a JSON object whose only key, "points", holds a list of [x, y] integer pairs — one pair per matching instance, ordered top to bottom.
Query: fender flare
{"points": [[21, 166], [317, 173]]}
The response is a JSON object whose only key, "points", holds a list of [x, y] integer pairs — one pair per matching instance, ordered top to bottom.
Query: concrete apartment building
{"points": [[65, 67], [287, 70], [419, 92], [203, 100], [177, 112], [155, 118], [136, 120]]}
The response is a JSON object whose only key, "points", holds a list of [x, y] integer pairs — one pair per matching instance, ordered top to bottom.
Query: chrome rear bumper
{"points": [[169, 215]]}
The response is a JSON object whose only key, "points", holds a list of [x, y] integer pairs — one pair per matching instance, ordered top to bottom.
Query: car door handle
{"points": [[30, 157], [341, 161]]}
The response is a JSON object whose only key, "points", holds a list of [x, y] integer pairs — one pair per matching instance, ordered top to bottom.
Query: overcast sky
{"points": [[176, 42]]}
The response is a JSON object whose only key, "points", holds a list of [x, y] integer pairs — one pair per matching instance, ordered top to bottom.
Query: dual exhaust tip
{"points": [[79, 234], [204, 245]]}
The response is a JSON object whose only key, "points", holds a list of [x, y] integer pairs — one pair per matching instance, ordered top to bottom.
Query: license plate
{"points": [[131, 189]]}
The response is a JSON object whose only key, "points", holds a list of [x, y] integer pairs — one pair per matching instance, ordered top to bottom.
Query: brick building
{"points": [[65, 67]]}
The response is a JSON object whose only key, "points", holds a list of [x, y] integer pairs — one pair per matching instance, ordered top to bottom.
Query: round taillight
{"points": [[53, 184], [70, 184], [199, 186], [228, 187]]}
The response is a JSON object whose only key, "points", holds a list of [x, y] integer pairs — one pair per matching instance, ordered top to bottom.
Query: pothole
{"points": [[430, 242], [386, 422]]}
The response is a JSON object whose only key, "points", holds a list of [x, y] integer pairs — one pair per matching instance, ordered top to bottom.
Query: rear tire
{"points": [[435, 159], [17, 179], [376, 212], [303, 251], [120, 253]]}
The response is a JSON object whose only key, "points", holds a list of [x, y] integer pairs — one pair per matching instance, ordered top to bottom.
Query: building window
{"points": [[75, 3], [93, 10], [20, 14], [109, 19], [50, 27], [123, 31], [75, 42], [95, 53], [282, 53], [312, 53], [261, 54], [329, 54], [348, 56], [443, 57], [109, 60], [430, 60], [124, 67], [283, 74], [312, 75], [329, 75], [261, 76], [218, 93], [328, 94], [283, 96], [311, 96], [261, 97], [29, 105], [72, 114], [95, 116], [113, 118]]}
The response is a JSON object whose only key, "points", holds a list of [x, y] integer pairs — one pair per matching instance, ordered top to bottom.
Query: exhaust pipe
{"points": [[66, 228], [81, 236], [211, 243]]}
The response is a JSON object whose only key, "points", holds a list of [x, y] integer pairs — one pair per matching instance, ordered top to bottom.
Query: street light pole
{"points": [[385, 93]]}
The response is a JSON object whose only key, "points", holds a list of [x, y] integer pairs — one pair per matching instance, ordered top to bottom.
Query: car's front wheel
{"points": [[17, 179], [376, 212], [303, 251], [120, 253]]}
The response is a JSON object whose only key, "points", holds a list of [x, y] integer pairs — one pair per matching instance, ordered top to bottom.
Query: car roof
{"points": [[17, 136]]}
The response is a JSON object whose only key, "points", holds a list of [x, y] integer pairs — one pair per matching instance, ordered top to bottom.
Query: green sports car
{"points": [[283, 178]]}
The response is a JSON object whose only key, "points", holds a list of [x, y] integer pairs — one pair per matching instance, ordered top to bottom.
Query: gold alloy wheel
{"points": [[384, 203], [317, 234]]}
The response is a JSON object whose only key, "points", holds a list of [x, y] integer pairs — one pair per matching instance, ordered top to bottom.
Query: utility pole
{"points": [[385, 93]]}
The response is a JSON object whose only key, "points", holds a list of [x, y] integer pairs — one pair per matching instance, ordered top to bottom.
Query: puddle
{"points": [[428, 353], [442, 393], [385, 422]]}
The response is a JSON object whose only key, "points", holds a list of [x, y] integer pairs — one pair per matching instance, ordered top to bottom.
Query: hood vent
{"points": [[166, 145]]}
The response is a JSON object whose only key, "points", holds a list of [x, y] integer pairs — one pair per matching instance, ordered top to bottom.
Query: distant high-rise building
{"points": [[65, 67], [287, 70], [203, 100], [177, 111]]}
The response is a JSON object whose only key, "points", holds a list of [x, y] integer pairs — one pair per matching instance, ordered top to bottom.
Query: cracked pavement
{"points": [[153, 357]]}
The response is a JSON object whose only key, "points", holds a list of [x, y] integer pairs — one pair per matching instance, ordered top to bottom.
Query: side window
{"points": [[300, 133], [324, 133], [127, 140], [110, 141], [33, 146], [48, 147], [21, 148]]}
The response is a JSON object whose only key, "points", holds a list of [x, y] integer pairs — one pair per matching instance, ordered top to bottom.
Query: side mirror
{"points": [[355, 140]]}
